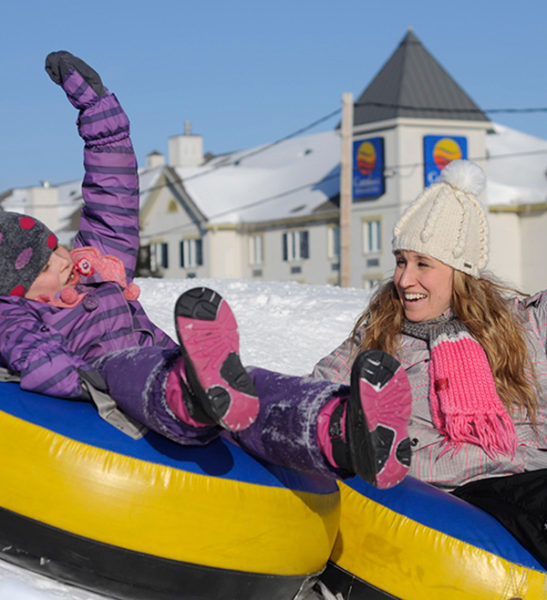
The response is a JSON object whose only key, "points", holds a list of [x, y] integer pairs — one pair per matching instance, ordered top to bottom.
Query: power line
{"points": [[452, 110], [330, 115], [237, 161], [387, 168], [262, 201], [242, 207]]}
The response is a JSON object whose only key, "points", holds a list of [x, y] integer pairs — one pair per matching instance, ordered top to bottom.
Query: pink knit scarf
{"points": [[464, 402]]}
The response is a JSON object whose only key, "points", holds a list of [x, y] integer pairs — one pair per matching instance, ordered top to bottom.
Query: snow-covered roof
{"points": [[517, 167], [296, 176], [290, 179], [148, 180], [15, 200], [69, 200]]}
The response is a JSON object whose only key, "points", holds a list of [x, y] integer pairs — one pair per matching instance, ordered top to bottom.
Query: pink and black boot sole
{"points": [[209, 342], [377, 446]]}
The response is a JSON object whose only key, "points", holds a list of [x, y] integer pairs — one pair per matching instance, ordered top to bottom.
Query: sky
{"points": [[246, 72]]}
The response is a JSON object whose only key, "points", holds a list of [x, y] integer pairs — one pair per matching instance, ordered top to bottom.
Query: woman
{"points": [[474, 353]]}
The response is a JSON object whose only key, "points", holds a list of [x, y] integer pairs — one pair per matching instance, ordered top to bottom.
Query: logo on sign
{"points": [[439, 150], [446, 150], [366, 158], [368, 168]]}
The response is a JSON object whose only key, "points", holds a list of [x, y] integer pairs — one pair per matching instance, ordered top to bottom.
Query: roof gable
{"points": [[413, 84]]}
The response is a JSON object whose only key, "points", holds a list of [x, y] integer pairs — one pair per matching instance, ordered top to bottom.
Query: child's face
{"points": [[57, 275]]}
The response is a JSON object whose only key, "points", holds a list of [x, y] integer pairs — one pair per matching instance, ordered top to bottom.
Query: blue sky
{"points": [[244, 72]]}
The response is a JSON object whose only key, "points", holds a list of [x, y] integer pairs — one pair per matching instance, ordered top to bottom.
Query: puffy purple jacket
{"points": [[46, 345]]}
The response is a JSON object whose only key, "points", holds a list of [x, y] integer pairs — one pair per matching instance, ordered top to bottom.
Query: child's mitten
{"points": [[82, 84]]}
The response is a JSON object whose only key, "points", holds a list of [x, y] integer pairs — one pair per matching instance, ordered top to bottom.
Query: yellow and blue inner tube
{"points": [[86, 504], [415, 541]]}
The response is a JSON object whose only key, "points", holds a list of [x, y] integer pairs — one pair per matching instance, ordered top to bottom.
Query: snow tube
{"points": [[149, 519], [414, 541]]}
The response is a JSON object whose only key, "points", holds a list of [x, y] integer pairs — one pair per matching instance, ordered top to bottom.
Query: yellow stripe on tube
{"points": [[161, 510], [413, 562]]}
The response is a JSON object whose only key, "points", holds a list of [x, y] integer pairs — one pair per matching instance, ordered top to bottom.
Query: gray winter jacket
{"points": [[451, 469]]}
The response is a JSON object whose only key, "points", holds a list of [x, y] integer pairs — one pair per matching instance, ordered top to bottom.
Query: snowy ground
{"points": [[286, 327]]}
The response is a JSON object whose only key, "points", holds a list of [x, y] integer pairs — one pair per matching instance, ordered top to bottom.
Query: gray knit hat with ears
{"points": [[447, 221], [25, 247]]}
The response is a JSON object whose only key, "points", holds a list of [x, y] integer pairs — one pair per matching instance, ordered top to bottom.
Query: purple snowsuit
{"points": [[50, 346]]}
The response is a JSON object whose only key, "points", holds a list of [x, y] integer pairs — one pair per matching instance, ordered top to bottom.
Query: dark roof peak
{"points": [[410, 37], [413, 84]]}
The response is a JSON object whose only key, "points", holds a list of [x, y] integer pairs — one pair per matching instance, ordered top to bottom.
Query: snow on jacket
{"points": [[47, 345], [452, 469]]}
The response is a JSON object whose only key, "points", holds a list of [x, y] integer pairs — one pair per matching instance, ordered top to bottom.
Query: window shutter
{"points": [[304, 245], [285, 248], [199, 253], [165, 255], [182, 263]]}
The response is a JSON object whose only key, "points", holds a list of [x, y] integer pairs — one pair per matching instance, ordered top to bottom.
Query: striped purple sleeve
{"points": [[110, 216], [38, 354]]}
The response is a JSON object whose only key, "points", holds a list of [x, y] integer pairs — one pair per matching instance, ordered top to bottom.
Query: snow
{"points": [[516, 173], [148, 181], [254, 188], [286, 327]]}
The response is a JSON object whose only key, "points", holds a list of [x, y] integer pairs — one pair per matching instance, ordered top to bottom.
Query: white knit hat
{"points": [[447, 221]]}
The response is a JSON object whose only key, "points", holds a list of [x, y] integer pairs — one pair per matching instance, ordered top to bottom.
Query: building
{"points": [[272, 212], [250, 214]]}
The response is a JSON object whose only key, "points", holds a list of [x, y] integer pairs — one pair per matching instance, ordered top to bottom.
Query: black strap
{"points": [[105, 404], [340, 450]]}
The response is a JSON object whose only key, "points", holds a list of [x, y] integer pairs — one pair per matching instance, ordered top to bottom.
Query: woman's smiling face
{"points": [[424, 285]]}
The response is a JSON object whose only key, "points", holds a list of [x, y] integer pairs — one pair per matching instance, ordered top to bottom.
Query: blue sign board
{"points": [[439, 150], [368, 168]]}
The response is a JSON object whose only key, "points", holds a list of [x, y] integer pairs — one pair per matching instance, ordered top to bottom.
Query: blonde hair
{"points": [[482, 306]]}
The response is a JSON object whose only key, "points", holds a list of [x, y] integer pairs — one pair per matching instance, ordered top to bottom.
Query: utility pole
{"points": [[346, 177]]}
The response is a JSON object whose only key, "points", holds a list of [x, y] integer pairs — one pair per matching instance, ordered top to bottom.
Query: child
{"points": [[71, 320]]}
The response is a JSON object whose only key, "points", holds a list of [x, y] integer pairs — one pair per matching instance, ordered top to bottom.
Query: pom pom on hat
{"points": [[464, 175], [447, 221]]}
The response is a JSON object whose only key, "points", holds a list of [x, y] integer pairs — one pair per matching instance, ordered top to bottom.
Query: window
{"points": [[372, 236], [333, 242], [295, 245], [256, 250], [191, 253], [159, 256], [369, 283]]}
